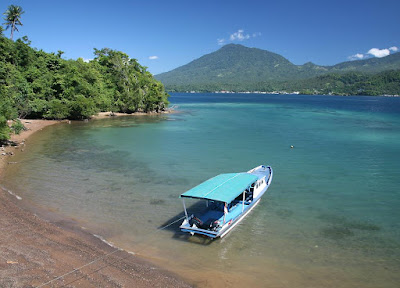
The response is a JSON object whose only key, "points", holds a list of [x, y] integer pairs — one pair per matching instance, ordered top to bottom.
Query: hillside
{"points": [[371, 65], [239, 68]]}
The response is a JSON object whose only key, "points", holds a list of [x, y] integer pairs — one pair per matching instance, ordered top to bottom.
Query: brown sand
{"points": [[34, 251]]}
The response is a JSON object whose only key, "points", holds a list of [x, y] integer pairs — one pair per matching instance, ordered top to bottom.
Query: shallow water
{"points": [[329, 219]]}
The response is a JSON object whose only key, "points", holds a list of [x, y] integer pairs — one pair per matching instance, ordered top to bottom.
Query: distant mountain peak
{"points": [[231, 45], [241, 66]]}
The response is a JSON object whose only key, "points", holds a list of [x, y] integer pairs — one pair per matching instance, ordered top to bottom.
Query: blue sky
{"points": [[164, 35]]}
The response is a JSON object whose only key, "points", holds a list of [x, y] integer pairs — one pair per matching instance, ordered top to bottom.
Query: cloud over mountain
{"points": [[239, 35], [375, 52], [379, 52], [357, 56]]}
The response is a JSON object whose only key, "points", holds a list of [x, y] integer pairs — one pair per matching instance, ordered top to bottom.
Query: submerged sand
{"points": [[34, 251]]}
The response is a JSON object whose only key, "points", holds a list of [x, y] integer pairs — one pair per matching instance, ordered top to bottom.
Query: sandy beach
{"points": [[34, 252]]}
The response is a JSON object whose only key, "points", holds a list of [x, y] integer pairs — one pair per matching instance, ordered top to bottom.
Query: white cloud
{"points": [[239, 36], [221, 41], [376, 52], [379, 52], [357, 56], [153, 57], [86, 60]]}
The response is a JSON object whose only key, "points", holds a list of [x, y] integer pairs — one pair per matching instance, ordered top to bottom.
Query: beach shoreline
{"points": [[108, 115], [18, 141], [35, 250]]}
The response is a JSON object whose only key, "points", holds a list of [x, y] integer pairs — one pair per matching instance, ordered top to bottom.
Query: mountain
{"points": [[234, 62], [371, 65], [236, 67]]}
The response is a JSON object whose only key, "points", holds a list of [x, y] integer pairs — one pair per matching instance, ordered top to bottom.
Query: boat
{"points": [[228, 199]]}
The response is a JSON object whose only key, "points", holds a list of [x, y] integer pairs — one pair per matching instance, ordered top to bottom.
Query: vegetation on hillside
{"points": [[238, 68], [351, 83], [37, 84]]}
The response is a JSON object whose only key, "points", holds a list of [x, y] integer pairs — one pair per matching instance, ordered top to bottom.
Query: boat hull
{"points": [[239, 219]]}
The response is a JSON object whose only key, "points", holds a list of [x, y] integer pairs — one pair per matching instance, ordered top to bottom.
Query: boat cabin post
{"points": [[244, 192], [184, 207], [225, 211]]}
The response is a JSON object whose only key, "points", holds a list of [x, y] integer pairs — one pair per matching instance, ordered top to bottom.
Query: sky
{"points": [[163, 35]]}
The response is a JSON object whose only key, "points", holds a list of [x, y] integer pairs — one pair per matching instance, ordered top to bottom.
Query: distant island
{"points": [[237, 68]]}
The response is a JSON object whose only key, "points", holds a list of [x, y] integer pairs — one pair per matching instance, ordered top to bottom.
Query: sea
{"points": [[331, 217]]}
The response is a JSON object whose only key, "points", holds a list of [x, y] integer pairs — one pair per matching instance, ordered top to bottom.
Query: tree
{"points": [[13, 15], [36, 84], [6, 112]]}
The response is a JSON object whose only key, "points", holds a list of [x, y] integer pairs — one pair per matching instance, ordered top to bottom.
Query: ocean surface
{"points": [[331, 217]]}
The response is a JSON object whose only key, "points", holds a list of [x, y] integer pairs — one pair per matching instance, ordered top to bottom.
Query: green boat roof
{"points": [[224, 187]]}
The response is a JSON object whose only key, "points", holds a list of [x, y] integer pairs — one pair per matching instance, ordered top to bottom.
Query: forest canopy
{"points": [[36, 84]]}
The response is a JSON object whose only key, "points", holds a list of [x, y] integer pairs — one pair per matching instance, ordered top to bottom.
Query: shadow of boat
{"points": [[174, 222]]}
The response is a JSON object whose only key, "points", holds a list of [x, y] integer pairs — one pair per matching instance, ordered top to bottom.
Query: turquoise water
{"points": [[329, 219]]}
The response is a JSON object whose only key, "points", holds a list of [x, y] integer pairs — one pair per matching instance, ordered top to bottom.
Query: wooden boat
{"points": [[229, 198]]}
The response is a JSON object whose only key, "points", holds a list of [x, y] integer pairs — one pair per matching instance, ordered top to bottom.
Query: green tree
{"points": [[13, 18], [36, 84], [82, 108], [6, 112], [17, 127], [4, 129]]}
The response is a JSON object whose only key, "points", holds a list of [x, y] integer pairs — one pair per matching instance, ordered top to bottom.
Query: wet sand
{"points": [[34, 251]]}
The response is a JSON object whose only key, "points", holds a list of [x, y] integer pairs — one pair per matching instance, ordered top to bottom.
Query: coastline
{"points": [[107, 115], [32, 126], [34, 251]]}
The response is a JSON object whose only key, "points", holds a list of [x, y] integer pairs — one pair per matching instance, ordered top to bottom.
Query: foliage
{"points": [[12, 17], [238, 68], [352, 83], [37, 84], [7, 111], [17, 126], [4, 129]]}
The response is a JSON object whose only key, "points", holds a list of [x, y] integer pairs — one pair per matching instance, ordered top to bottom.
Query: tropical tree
{"points": [[13, 16]]}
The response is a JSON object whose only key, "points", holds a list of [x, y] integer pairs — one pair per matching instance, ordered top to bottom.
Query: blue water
{"points": [[329, 219]]}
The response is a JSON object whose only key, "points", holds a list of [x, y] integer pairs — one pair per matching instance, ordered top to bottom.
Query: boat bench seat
{"points": [[210, 217]]}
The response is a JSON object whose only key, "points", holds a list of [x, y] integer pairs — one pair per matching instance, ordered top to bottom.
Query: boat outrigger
{"points": [[229, 198]]}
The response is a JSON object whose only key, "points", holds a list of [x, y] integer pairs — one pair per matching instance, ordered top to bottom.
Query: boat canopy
{"points": [[224, 187]]}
